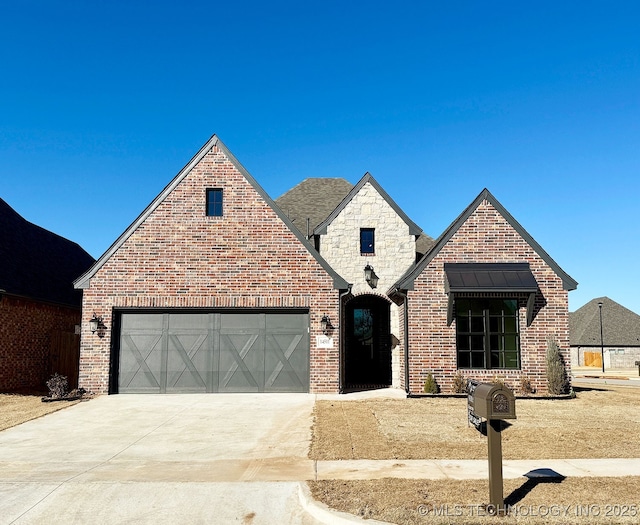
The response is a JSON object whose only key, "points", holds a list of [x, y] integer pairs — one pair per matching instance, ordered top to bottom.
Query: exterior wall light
{"points": [[370, 276], [95, 323], [326, 325]]}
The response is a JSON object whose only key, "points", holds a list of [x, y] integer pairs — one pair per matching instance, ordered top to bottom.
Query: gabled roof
{"points": [[313, 199], [321, 229], [37, 263], [84, 280], [406, 281], [620, 326]]}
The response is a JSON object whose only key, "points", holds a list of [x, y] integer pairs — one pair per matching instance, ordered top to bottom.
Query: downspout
{"points": [[406, 340], [341, 349]]}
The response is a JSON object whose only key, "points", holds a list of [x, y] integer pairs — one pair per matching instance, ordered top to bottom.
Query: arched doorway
{"points": [[367, 360]]}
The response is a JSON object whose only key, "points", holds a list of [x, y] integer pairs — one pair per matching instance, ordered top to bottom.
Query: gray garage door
{"points": [[213, 352]]}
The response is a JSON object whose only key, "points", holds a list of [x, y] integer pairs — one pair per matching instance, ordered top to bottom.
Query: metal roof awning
{"points": [[490, 278]]}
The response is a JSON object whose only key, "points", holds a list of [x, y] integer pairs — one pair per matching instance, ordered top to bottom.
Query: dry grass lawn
{"points": [[16, 409], [599, 423], [596, 424]]}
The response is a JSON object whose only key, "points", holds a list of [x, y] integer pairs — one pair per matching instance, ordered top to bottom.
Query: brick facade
{"points": [[485, 237], [180, 258], [26, 330]]}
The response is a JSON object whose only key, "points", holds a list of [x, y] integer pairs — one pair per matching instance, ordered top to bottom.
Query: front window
{"points": [[367, 240], [487, 333]]}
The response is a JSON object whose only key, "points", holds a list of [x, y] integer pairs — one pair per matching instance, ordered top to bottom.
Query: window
{"points": [[214, 202], [367, 240], [487, 333]]}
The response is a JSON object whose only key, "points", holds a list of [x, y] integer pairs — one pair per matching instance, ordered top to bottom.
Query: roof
{"points": [[313, 199], [321, 229], [37, 263], [489, 277], [84, 280], [406, 281], [620, 326]]}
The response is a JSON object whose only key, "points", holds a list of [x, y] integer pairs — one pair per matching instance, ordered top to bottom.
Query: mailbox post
{"points": [[494, 403]]}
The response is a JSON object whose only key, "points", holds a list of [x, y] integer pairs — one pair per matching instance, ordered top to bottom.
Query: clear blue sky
{"points": [[102, 103]]}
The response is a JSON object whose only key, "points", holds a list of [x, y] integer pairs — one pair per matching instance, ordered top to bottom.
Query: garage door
{"points": [[213, 352]]}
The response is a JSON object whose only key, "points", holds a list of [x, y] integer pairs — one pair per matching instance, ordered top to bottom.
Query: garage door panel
{"points": [[214, 352]]}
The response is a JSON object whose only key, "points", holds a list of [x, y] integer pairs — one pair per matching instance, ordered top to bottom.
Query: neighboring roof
{"points": [[214, 141], [313, 199], [321, 229], [37, 263], [489, 277], [406, 281], [620, 326]]}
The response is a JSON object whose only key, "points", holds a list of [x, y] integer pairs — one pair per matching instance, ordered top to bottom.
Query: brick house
{"points": [[217, 288], [39, 307]]}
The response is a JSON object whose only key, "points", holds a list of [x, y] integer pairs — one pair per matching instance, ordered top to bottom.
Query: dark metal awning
{"points": [[490, 278]]}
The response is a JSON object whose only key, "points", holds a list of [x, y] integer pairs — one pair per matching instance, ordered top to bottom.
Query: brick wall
{"points": [[486, 237], [180, 258], [26, 328]]}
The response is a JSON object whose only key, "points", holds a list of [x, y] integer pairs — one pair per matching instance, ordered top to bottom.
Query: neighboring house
{"points": [[217, 288], [39, 307], [620, 335]]}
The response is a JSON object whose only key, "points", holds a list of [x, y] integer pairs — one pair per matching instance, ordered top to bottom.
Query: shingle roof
{"points": [[313, 199], [37, 263], [620, 326]]}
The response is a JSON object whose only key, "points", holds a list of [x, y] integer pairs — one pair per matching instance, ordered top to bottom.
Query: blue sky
{"points": [[102, 103]]}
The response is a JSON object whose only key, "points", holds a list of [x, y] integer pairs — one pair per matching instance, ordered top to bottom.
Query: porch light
{"points": [[370, 276], [95, 323], [326, 325]]}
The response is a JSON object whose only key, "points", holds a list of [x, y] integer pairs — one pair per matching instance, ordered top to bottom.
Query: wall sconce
{"points": [[370, 276], [95, 323], [325, 324]]}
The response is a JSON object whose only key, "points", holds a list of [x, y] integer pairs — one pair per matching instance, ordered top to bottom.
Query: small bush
{"points": [[556, 372], [497, 381], [459, 383], [430, 385], [57, 386], [526, 389]]}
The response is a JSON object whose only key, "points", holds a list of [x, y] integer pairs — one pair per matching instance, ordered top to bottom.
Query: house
{"points": [[215, 287], [39, 308], [620, 341]]}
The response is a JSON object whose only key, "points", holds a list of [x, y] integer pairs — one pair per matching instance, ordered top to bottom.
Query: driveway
{"points": [[191, 458]]}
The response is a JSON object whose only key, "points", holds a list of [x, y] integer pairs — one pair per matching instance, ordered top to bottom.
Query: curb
{"points": [[323, 514]]}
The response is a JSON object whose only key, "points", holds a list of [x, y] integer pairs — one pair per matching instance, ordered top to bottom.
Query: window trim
{"points": [[211, 205]]}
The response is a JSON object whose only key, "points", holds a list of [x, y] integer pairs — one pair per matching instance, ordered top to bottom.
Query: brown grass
{"points": [[16, 409], [599, 423], [436, 428]]}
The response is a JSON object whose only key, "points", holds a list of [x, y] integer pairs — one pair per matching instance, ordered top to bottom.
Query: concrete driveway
{"points": [[194, 458]]}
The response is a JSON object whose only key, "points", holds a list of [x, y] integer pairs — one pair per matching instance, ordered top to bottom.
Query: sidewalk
{"points": [[614, 377]]}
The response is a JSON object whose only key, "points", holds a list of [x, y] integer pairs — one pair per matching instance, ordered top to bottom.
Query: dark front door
{"points": [[368, 343]]}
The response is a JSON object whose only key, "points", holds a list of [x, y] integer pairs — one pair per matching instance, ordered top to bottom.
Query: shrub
{"points": [[556, 372], [459, 383], [430, 385], [57, 386], [526, 388]]}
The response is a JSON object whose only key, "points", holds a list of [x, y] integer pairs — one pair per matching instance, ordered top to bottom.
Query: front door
{"points": [[368, 343]]}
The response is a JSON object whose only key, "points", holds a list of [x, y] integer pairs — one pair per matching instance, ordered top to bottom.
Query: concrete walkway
{"points": [[201, 458]]}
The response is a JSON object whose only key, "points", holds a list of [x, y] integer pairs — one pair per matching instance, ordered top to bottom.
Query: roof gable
{"points": [[214, 141], [321, 229], [37, 263], [406, 282], [620, 326]]}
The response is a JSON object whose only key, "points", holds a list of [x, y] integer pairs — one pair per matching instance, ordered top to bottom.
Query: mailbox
{"points": [[492, 401]]}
